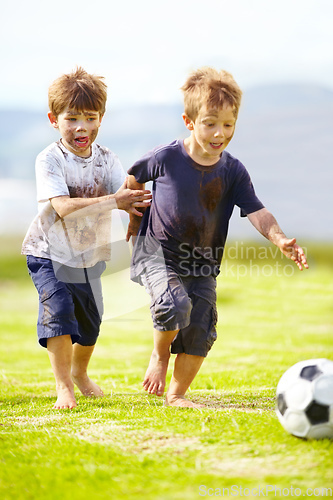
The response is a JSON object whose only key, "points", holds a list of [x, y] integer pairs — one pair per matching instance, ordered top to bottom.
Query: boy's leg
{"points": [[63, 308], [171, 310], [193, 342], [60, 351], [80, 361], [185, 369], [154, 381]]}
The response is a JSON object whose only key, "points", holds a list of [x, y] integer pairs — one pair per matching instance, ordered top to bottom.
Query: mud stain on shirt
{"points": [[211, 194]]}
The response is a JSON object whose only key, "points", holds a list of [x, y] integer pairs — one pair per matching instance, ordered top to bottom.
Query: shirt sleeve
{"points": [[146, 169], [117, 174], [50, 177], [245, 196]]}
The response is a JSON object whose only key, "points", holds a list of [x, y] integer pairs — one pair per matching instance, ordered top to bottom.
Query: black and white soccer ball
{"points": [[305, 399]]}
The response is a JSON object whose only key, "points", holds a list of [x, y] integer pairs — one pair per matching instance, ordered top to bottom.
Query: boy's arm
{"points": [[124, 199], [135, 218], [267, 225]]}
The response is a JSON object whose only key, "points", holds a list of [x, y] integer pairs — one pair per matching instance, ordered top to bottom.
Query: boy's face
{"points": [[78, 129], [211, 133]]}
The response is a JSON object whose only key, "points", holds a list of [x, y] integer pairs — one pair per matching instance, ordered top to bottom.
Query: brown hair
{"points": [[215, 89], [79, 91]]}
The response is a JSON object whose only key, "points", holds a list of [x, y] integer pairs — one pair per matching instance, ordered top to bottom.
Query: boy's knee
{"points": [[183, 308], [172, 311], [199, 336]]}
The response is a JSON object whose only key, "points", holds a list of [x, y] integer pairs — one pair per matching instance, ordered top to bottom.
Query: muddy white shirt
{"points": [[82, 238]]}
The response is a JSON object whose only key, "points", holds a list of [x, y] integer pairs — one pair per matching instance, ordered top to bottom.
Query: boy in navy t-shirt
{"points": [[180, 240]]}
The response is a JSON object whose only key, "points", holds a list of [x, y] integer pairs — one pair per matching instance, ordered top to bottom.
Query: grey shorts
{"points": [[184, 304]]}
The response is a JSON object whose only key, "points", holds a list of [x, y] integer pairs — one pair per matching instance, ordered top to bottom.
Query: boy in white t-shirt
{"points": [[68, 242]]}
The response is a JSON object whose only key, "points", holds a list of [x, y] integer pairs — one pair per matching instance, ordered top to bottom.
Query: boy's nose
{"points": [[81, 126], [219, 132]]}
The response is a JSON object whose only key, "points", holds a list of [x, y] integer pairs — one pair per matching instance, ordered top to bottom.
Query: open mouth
{"points": [[81, 141], [216, 146]]}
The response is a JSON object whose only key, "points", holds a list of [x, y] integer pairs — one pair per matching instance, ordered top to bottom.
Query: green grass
{"points": [[128, 445]]}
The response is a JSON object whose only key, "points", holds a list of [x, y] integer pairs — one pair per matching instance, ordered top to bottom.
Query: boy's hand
{"points": [[131, 199], [267, 225], [133, 227], [294, 252]]}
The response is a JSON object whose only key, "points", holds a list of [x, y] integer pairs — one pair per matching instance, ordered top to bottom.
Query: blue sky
{"points": [[146, 48]]}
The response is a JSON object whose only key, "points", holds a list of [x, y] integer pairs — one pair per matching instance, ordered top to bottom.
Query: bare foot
{"points": [[154, 381], [87, 386], [66, 398], [181, 402]]}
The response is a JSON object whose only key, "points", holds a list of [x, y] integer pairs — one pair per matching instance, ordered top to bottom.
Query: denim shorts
{"points": [[70, 300], [187, 304]]}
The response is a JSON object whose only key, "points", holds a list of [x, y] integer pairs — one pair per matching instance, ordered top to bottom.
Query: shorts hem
{"points": [[176, 326], [42, 339], [90, 344], [191, 352]]}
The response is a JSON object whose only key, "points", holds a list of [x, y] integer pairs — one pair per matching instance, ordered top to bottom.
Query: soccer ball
{"points": [[305, 399]]}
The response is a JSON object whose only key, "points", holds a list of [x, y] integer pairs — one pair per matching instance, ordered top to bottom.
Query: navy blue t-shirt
{"points": [[189, 216]]}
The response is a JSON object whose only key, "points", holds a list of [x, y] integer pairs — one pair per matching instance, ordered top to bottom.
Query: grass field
{"points": [[128, 445]]}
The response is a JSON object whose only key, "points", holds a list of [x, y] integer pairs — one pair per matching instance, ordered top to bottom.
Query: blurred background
{"points": [[280, 53]]}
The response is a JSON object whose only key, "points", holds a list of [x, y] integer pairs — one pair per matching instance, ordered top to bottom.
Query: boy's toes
{"points": [[146, 385], [153, 387], [160, 390]]}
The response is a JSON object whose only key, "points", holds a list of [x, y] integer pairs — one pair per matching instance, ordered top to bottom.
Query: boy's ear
{"points": [[53, 119], [188, 122]]}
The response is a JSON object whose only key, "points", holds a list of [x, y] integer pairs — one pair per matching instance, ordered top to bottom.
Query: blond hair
{"points": [[215, 89], [79, 91]]}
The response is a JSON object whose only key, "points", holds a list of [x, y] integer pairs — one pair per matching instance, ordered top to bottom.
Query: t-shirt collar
{"points": [[76, 158], [197, 166]]}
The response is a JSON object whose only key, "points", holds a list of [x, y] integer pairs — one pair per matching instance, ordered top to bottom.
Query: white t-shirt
{"points": [[82, 238]]}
